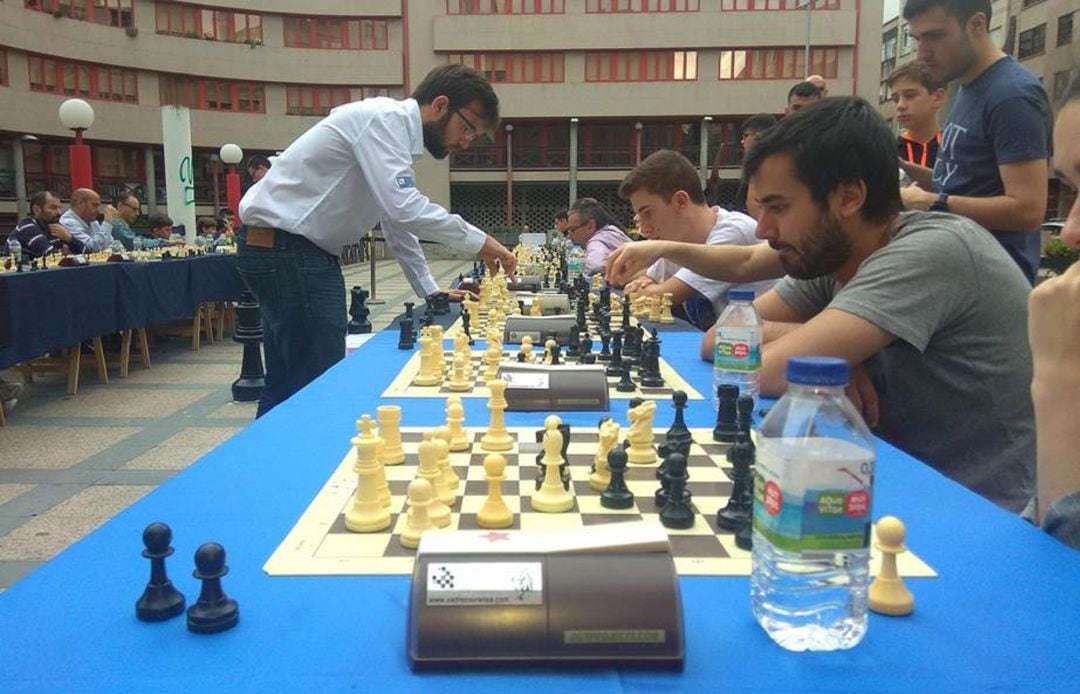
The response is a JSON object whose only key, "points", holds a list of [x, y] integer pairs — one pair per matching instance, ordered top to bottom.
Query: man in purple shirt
{"points": [[593, 228], [40, 233]]}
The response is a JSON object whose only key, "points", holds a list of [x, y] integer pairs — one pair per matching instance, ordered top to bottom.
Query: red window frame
{"points": [[776, 5], [640, 6], [468, 7], [116, 13], [198, 22], [352, 34], [777, 63], [640, 66], [515, 68], [74, 78], [205, 94], [314, 100]]}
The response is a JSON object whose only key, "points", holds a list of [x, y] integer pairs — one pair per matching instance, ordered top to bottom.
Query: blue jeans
{"points": [[301, 293]]}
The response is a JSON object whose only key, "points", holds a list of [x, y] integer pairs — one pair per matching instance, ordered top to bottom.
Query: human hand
{"points": [[915, 198], [109, 212], [60, 231], [494, 252], [630, 258], [638, 285], [457, 295], [1054, 328], [863, 395]]}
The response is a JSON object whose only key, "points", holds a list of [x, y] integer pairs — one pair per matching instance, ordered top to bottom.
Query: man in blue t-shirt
{"points": [[992, 162]]}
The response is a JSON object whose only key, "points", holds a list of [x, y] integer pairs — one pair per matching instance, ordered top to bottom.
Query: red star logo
{"points": [[495, 537]]}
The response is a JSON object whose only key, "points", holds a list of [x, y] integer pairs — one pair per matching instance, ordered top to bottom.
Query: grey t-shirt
{"points": [[955, 384]]}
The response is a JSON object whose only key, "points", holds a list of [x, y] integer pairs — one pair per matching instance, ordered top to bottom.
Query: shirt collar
{"points": [[416, 129]]}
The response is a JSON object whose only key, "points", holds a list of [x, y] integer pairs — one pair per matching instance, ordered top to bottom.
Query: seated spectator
{"points": [[819, 82], [800, 96], [666, 194], [128, 208], [81, 220], [592, 227], [161, 228], [40, 233]]}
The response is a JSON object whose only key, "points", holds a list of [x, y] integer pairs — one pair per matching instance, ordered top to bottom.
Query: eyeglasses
{"points": [[471, 131], [128, 205], [571, 230]]}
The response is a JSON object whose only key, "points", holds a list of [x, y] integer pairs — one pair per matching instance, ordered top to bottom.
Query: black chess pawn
{"points": [[573, 348], [556, 352], [615, 363], [650, 366], [626, 384], [727, 394], [744, 418], [678, 431], [617, 495], [677, 513], [161, 600], [213, 611]]}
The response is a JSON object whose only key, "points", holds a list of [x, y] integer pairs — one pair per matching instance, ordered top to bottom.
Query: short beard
{"points": [[966, 57], [434, 136], [823, 253]]}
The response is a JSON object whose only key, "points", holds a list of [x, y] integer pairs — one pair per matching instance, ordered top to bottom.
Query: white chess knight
{"points": [[640, 436], [609, 437], [552, 497], [439, 510]]}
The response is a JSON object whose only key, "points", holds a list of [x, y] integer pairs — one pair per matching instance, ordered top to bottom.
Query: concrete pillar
{"points": [[703, 154], [573, 161], [509, 175], [151, 179], [21, 202]]}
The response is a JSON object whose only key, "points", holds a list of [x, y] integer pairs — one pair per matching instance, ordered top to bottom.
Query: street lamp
{"points": [[78, 115], [232, 155]]}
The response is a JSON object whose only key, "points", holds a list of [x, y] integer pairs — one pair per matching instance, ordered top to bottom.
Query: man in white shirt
{"points": [[349, 172], [669, 202], [81, 221]]}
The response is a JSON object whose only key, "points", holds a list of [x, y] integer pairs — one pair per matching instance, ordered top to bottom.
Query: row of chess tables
{"points": [[47, 310], [1003, 613]]}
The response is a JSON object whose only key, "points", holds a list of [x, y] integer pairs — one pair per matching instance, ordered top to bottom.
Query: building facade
{"points": [[587, 87]]}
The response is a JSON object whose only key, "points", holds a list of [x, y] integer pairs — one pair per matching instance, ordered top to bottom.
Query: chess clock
{"points": [[539, 328], [544, 387], [605, 594]]}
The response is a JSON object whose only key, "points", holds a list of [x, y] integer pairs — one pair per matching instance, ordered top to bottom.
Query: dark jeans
{"points": [[301, 293]]}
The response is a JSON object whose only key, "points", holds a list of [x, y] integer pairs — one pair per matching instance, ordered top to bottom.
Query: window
{"points": [[778, 4], [505, 6], [612, 6], [115, 13], [177, 19], [1065, 27], [336, 33], [907, 42], [1032, 42], [888, 48], [776, 63], [641, 66], [3, 67], [511, 68], [70, 78], [212, 95], [304, 100]]}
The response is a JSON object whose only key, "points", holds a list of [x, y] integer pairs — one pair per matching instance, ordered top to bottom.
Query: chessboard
{"points": [[593, 326], [402, 386], [319, 543]]}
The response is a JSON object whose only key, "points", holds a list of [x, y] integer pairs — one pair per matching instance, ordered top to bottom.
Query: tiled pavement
{"points": [[68, 464]]}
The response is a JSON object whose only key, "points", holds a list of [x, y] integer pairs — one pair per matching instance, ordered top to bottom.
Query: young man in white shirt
{"points": [[349, 172], [669, 202]]}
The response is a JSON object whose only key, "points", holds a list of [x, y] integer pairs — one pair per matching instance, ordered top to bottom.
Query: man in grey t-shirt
{"points": [[930, 303]]}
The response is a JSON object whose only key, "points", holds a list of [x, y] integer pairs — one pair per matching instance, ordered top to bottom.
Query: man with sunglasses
{"points": [[349, 172], [127, 211]]}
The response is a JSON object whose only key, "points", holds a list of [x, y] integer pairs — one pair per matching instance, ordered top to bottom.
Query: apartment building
{"points": [[588, 87]]}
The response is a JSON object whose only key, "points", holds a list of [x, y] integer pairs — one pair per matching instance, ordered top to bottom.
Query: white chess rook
{"points": [[389, 417]]}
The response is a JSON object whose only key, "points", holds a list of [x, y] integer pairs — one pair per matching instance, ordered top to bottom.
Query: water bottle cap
{"points": [[740, 295], [817, 371]]}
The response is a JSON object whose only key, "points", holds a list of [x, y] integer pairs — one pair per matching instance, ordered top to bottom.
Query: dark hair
{"points": [[962, 10], [915, 73], [463, 86], [805, 90], [758, 123], [842, 139], [257, 160], [664, 173], [121, 198], [39, 199], [590, 208], [225, 212], [562, 214], [156, 220], [206, 222]]}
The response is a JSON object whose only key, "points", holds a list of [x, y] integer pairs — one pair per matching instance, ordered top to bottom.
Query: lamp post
{"points": [[78, 115], [232, 155]]}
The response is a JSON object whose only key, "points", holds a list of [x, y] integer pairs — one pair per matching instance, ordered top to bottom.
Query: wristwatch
{"points": [[941, 204]]}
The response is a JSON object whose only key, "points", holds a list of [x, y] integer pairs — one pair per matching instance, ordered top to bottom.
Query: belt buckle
{"points": [[260, 237]]}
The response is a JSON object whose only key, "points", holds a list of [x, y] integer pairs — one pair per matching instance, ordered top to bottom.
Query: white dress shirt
{"points": [[350, 171], [731, 229], [95, 236]]}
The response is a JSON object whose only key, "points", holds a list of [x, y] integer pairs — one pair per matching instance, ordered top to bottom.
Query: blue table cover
{"points": [[1004, 614]]}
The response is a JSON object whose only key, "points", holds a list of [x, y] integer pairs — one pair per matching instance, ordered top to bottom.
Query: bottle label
{"points": [[737, 349], [813, 503]]}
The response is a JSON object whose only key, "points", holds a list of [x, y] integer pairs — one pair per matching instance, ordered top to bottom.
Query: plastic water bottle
{"points": [[575, 262], [737, 350], [813, 486]]}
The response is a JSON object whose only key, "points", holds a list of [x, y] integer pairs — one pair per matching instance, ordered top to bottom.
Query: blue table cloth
{"points": [[1003, 615]]}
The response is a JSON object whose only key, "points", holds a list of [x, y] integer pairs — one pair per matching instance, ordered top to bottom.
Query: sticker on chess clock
{"points": [[527, 380], [485, 583]]}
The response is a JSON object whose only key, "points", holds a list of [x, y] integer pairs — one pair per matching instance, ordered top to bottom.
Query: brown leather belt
{"points": [[260, 237]]}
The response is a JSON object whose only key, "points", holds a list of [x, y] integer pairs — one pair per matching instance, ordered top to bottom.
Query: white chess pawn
{"points": [[537, 307], [654, 308], [665, 308], [527, 349], [491, 361], [430, 370], [459, 379], [455, 420], [442, 438], [429, 470], [552, 497], [494, 513], [418, 520], [887, 593]]}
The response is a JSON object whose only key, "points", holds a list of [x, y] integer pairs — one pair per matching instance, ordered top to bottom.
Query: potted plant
{"points": [[1058, 256]]}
